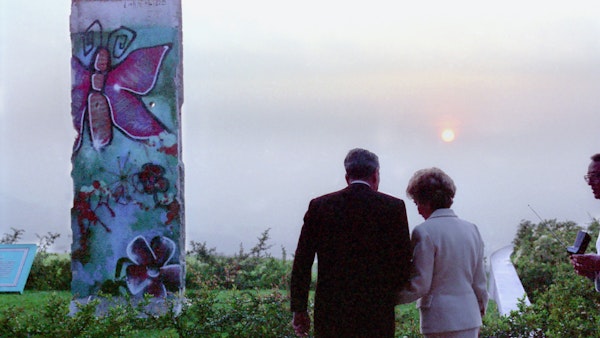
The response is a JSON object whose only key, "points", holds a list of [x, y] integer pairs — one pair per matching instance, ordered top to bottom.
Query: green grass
{"points": [[30, 300]]}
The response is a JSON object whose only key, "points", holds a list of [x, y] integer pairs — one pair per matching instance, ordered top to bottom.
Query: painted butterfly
{"points": [[106, 96]]}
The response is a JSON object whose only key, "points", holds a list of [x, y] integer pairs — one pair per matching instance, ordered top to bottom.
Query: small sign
{"points": [[15, 265]]}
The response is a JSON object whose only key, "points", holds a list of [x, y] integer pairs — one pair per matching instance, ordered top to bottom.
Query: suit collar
{"points": [[361, 182], [358, 186]]}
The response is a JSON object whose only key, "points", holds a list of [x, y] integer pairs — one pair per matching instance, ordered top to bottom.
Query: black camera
{"points": [[581, 243]]}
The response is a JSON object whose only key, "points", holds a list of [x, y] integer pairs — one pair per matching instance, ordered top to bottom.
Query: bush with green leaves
{"points": [[540, 252], [245, 270], [563, 304], [206, 312], [53, 320]]}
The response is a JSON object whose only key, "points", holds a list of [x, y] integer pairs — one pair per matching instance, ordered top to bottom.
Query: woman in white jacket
{"points": [[449, 279]]}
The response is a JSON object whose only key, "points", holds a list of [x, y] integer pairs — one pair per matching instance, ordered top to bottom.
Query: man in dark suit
{"points": [[362, 243], [588, 265]]}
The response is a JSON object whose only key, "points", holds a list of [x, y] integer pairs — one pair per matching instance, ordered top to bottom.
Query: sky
{"points": [[276, 93]]}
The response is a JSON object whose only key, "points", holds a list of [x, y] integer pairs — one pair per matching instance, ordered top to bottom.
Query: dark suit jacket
{"points": [[363, 249]]}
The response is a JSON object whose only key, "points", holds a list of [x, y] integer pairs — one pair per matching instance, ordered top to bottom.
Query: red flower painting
{"points": [[104, 96], [151, 180], [150, 272]]}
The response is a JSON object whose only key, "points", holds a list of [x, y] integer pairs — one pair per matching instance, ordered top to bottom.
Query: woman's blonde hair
{"points": [[433, 186]]}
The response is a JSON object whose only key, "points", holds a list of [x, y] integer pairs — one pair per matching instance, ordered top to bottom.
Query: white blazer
{"points": [[449, 280]]}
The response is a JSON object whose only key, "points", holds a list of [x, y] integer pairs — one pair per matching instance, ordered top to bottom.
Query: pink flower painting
{"points": [[150, 272]]}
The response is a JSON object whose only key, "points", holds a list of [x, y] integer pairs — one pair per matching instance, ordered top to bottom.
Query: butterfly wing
{"points": [[139, 71], [134, 77], [79, 95], [131, 116]]}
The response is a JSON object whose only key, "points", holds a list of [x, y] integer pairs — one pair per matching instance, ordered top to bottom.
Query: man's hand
{"points": [[586, 265], [301, 323]]}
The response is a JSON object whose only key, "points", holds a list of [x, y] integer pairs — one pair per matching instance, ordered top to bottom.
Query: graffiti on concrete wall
{"points": [[107, 96], [127, 221]]}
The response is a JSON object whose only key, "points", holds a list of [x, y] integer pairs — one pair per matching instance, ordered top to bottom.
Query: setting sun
{"points": [[448, 135]]}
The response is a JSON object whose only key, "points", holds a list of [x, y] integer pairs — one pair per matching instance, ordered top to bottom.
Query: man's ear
{"points": [[376, 180]]}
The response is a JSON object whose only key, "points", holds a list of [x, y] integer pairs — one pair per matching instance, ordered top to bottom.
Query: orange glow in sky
{"points": [[448, 135]]}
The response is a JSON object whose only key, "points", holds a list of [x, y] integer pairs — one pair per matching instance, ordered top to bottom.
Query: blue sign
{"points": [[15, 264]]}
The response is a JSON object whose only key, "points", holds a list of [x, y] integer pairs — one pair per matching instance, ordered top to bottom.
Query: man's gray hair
{"points": [[361, 164]]}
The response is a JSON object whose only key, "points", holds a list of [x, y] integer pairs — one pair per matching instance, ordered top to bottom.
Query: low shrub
{"points": [[245, 270], [50, 272], [563, 304], [203, 314]]}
